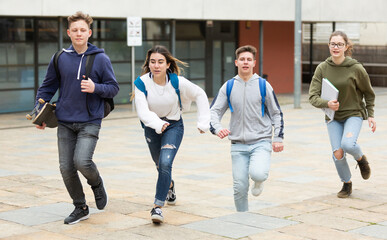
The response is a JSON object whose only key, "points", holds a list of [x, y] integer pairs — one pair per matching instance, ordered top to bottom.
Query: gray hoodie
{"points": [[247, 126]]}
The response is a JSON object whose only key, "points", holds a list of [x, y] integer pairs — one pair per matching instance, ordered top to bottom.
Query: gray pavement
{"points": [[298, 202]]}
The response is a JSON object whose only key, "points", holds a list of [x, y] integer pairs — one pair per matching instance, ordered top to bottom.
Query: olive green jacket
{"points": [[353, 83]]}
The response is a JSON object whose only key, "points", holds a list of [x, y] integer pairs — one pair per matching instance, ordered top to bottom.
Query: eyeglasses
{"points": [[338, 45]]}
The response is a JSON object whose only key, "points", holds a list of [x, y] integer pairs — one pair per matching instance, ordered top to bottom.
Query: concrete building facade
{"points": [[203, 33]]}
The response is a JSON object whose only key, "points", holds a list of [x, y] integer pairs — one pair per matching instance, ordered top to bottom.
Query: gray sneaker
{"points": [[79, 214]]}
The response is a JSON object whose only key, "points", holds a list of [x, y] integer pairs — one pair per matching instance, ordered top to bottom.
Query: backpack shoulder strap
{"points": [[56, 57], [89, 64], [175, 83], [230, 84], [141, 86], [262, 89]]}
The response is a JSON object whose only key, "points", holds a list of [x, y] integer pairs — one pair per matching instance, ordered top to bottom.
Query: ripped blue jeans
{"points": [[344, 134], [163, 148]]}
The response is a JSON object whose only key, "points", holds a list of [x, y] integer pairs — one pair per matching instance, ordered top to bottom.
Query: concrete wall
{"points": [[268, 10]]}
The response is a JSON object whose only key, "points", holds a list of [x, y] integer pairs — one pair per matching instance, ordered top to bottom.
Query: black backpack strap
{"points": [[56, 57], [89, 65]]}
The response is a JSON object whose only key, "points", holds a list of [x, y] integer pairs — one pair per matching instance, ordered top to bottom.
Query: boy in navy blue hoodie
{"points": [[79, 109]]}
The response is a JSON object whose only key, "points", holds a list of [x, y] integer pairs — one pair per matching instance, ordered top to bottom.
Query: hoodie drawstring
{"points": [[80, 65]]}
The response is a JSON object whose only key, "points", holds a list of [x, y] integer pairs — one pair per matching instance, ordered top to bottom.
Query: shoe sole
{"points": [[343, 196], [107, 197], [171, 202], [157, 219], [77, 221]]}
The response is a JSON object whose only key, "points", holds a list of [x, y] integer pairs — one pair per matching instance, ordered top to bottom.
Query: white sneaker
{"points": [[257, 188]]}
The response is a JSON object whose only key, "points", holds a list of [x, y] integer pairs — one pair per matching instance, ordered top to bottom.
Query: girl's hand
{"points": [[334, 105], [372, 124], [164, 127], [201, 131]]}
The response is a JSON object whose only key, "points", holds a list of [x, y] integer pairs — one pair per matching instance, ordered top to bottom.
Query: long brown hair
{"points": [[347, 42], [173, 67]]}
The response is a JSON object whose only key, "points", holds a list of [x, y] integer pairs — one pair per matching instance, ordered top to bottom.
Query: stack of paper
{"points": [[329, 92]]}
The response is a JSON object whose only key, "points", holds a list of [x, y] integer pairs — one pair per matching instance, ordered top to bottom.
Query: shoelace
{"points": [[98, 192], [76, 211], [158, 211]]}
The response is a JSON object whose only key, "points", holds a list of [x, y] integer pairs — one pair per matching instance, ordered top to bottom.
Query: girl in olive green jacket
{"points": [[353, 83]]}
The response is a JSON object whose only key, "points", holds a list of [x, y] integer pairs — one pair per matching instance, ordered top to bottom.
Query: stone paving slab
{"points": [[298, 202], [40, 214], [222, 228], [378, 231]]}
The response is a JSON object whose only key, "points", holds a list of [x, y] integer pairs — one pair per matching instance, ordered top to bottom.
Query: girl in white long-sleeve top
{"points": [[160, 97]]}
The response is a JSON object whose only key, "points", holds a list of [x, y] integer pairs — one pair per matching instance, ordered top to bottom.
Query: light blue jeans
{"points": [[344, 134], [249, 160]]}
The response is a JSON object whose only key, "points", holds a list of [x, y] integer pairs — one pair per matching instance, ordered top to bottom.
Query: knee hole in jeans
{"points": [[349, 135], [168, 146], [339, 154]]}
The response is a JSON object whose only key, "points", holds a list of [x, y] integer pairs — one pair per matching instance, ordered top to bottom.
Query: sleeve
{"points": [[364, 84], [49, 86], [107, 86], [315, 90], [191, 92], [218, 107], [275, 114], [149, 118]]}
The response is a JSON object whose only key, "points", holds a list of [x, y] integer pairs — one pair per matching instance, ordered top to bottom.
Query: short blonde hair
{"points": [[80, 16]]}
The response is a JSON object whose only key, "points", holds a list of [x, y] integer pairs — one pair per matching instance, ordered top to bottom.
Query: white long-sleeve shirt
{"points": [[163, 102]]}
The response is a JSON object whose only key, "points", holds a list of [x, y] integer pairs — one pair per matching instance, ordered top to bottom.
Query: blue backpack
{"points": [[174, 81], [262, 88]]}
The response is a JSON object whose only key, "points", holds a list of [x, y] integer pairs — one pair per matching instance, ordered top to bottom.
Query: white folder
{"points": [[329, 92]]}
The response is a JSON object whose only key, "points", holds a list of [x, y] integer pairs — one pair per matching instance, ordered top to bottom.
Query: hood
{"points": [[91, 49], [348, 62], [254, 77]]}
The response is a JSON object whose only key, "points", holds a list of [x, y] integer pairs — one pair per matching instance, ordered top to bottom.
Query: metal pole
{"points": [[60, 29], [173, 38], [261, 48], [311, 52], [297, 55], [133, 76]]}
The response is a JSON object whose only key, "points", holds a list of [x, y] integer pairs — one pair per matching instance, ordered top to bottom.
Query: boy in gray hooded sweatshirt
{"points": [[251, 127]]}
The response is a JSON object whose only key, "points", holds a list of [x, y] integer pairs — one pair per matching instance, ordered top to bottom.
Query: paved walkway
{"points": [[299, 200]]}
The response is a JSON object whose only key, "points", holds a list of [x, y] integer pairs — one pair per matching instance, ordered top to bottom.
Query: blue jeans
{"points": [[344, 134], [76, 145], [163, 148], [249, 160]]}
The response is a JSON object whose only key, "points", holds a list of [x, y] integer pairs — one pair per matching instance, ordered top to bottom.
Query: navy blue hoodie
{"points": [[71, 105]]}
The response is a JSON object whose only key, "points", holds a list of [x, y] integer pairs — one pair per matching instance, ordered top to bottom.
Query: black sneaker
{"points": [[345, 191], [171, 197], [101, 198], [79, 214], [157, 215]]}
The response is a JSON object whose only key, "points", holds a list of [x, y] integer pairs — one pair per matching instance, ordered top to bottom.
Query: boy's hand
{"points": [[87, 85], [41, 127], [223, 133], [278, 146]]}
